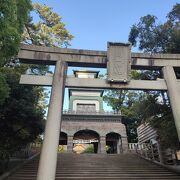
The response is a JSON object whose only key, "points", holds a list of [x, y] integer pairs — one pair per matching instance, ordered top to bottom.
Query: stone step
{"points": [[98, 166]]}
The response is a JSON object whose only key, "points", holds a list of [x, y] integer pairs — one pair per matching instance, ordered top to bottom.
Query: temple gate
{"points": [[119, 61]]}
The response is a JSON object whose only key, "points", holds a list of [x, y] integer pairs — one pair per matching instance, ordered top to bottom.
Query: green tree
{"points": [[13, 16], [48, 31], [151, 36], [154, 37], [4, 89], [125, 101], [21, 115]]}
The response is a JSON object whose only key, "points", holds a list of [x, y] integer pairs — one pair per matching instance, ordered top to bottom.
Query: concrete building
{"points": [[85, 122]]}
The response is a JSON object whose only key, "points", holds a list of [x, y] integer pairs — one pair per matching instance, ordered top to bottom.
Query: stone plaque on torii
{"points": [[118, 60]]}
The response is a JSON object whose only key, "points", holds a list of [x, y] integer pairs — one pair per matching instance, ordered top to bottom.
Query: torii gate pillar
{"points": [[173, 92], [48, 157]]}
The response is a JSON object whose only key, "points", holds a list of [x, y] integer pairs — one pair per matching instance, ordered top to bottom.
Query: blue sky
{"points": [[94, 22]]}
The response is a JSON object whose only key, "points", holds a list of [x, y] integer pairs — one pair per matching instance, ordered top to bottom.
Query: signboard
{"points": [[119, 62], [84, 141]]}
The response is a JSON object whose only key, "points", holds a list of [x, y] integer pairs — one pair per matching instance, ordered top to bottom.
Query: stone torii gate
{"points": [[119, 61]]}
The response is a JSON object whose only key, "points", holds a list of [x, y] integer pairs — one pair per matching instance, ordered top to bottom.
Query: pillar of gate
{"points": [[173, 93], [70, 144], [102, 144], [124, 144], [119, 146], [99, 148], [48, 157]]}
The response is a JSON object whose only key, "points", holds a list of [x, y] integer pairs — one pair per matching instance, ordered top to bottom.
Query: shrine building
{"points": [[86, 122]]}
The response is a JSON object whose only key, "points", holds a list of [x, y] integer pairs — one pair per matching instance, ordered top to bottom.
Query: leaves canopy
{"points": [[13, 16], [48, 31], [154, 37], [4, 89], [125, 101], [21, 116]]}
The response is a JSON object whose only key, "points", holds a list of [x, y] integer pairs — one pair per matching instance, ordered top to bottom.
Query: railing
{"points": [[92, 113], [36, 145], [134, 146], [146, 150], [27, 151], [152, 152], [23, 153]]}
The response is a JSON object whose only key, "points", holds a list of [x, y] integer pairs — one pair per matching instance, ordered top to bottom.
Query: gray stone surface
{"points": [[79, 57], [119, 59], [96, 83], [103, 84], [174, 94], [102, 128], [48, 157], [101, 167]]}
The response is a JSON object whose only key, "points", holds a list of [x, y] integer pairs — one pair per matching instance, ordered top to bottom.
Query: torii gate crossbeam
{"points": [[89, 58]]}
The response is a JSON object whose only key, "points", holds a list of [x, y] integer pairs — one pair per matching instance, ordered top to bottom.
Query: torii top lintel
{"points": [[90, 58]]}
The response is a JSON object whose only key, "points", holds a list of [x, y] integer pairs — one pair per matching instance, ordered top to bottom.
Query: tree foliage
{"points": [[13, 16], [48, 31], [151, 36], [154, 37], [4, 89], [125, 101], [150, 109], [21, 116]]}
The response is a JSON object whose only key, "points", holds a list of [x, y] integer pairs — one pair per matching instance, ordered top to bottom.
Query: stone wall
{"points": [[102, 128]]}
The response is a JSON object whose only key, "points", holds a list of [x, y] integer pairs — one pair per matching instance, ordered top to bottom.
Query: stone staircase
{"points": [[98, 166]]}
